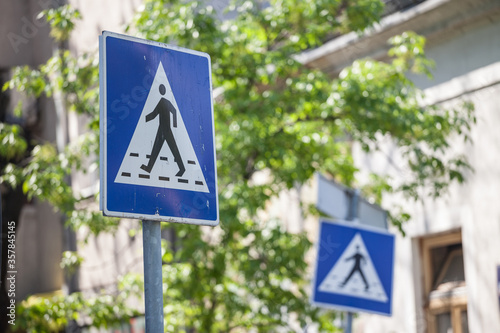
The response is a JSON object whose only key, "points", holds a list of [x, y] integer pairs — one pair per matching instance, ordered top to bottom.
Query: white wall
{"points": [[39, 247]]}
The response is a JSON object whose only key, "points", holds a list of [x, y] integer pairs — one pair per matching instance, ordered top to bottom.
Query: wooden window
{"points": [[444, 289]]}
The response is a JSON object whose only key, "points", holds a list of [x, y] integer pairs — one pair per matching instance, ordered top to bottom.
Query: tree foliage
{"points": [[274, 115], [52, 314]]}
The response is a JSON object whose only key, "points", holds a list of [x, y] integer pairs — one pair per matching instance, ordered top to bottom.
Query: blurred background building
{"points": [[41, 234], [446, 267]]}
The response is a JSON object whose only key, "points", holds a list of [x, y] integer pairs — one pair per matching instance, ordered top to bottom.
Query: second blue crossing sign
{"points": [[354, 268]]}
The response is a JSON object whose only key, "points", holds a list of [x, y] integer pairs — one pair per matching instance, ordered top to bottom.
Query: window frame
{"points": [[455, 304]]}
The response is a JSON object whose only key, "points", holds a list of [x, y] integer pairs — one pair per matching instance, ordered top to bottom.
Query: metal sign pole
{"points": [[140, 176], [353, 214], [153, 282], [348, 325]]}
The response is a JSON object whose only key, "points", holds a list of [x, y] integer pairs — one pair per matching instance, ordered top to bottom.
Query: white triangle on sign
{"points": [[165, 170], [354, 274]]}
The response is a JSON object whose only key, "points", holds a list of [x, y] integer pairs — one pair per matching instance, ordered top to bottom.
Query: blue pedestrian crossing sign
{"points": [[157, 132], [354, 268]]}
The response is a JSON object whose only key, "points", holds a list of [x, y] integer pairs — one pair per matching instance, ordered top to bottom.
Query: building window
{"points": [[445, 298]]}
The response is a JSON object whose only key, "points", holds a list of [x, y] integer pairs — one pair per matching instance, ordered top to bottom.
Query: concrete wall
{"points": [[97, 16], [24, 38], [467, 51], [481, 228], [39, 243], [109, 256]]}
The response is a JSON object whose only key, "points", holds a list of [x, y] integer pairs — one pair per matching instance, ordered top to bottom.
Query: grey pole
{"points": [[353, 205], [353, 214], [153, 283], [348, 326]]}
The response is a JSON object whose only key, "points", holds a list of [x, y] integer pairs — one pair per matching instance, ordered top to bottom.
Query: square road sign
{"points": [[156, 132], [354, 268]]}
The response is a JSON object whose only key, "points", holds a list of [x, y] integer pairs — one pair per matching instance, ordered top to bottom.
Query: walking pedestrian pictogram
{"points": [[163, 110], [160, 153], [358, 260], [354, 274]]}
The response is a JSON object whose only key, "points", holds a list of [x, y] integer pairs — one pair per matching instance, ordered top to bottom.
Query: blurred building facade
{"points": [[26, 42], [41, 234], [446, 267]]}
